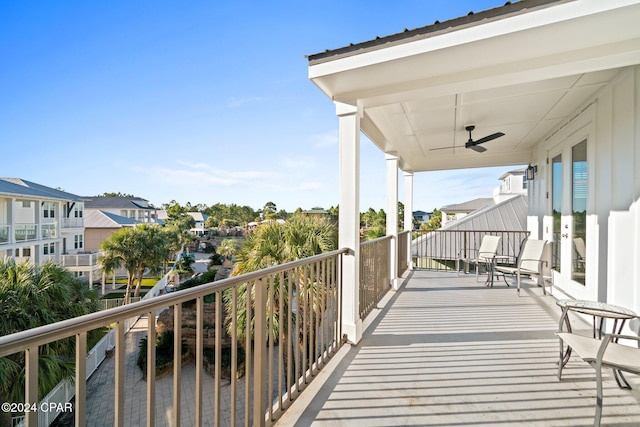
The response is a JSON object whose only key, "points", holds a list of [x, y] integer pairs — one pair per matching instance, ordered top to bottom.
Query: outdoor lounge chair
{"points": [[488, 249], [529, 262], [604, 353]]}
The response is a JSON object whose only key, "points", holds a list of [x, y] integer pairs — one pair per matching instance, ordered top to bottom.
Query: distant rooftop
{"points": [[22, 187], [117, 203], [469, 206], [102, 219]]}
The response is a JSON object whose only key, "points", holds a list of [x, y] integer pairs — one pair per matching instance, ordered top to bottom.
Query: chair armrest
{"points": [[605, 343]]}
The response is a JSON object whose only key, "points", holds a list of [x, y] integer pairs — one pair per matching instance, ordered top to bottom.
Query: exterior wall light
{"points": [[530, 173]]}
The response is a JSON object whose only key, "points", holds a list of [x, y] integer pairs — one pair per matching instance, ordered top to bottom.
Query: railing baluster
{"points": [[270, 282], [281, 336], [293, 338], [296, 341], [234, 352], [199, 358], [218, 360], [248, 361], [177, 363], [259, 364], [151, 368], [119, 375], [81, 379], [31, 385]]}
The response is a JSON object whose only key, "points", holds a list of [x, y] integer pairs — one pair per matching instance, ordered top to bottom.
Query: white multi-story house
{"points": [[40, 224]]}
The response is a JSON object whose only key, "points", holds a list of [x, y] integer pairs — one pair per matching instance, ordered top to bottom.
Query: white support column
{"points": [[408, 212], [392, 217], [349, 218]]}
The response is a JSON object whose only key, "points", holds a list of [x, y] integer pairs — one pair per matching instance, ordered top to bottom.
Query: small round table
{"points": [[599, 310]]}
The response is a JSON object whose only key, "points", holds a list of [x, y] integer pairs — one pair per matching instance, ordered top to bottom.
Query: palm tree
{"points": [[272, 244], [228, 248], [136, 249], [34, 296]]}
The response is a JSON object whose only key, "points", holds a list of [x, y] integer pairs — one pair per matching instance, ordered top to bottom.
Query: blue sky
{"points": [[198, 101]]}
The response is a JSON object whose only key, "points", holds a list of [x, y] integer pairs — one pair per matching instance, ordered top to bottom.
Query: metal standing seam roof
{"points": [[437, 28], [21, 187], [117, 203], [470, 206], [509, 215], [102, 219]]}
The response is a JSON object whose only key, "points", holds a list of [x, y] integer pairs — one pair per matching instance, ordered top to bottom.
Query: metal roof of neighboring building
{"points": [[437, 28], [22, 187], [117, 203], [470, 206], [509, 215], [102, 219]]}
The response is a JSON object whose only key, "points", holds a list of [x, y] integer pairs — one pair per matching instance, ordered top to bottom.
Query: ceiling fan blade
{"points": [[488, 138], [444, 148], [477, 148]]}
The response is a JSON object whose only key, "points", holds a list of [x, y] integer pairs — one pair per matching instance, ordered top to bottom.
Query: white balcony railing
{"points": [[72, 222], [48, 231], [5, 232], [25, 232], [80, 260], [295, 309]]}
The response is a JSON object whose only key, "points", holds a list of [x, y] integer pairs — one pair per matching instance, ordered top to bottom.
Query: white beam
{"points": [[408, 211], [392, 217], [349, 218]]}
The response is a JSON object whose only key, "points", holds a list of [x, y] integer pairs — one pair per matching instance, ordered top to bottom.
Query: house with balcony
{"points": [[560, 81], [40, 224]]}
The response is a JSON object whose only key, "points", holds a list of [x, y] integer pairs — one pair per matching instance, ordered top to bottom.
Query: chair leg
{"points": [[518, 280], [598, 416]]}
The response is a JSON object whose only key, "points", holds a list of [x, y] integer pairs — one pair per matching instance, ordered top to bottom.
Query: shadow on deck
{"points": [[447, 351]]}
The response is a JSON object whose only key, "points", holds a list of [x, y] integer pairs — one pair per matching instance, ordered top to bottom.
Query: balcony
{"points": [[72, 223], [442, 350]]}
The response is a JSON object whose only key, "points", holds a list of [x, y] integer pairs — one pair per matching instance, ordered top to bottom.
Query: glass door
{"points": [[556, 211], [569, 211], [579, 211]]}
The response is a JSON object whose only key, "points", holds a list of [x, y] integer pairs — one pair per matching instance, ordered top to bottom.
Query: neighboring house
{"points": [[560, 79], [512, 183], [129, 207], [316, 211], [455, 212], [421, 216], [40, 224], [100, 225], [200, 228]]}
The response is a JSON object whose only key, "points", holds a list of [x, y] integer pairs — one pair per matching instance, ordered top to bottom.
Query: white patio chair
{"points": [[488, 249], [530, 262], [606, 353]]}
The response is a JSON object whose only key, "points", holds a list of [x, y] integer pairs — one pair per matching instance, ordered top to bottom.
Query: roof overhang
{"points": [[523, 72]]}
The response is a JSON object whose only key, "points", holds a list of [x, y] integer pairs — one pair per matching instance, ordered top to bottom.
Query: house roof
{"points": [[435, 29], [525, 69], [22, 187], [118, 203], [470, 206], [198, 216], [101, 219]]}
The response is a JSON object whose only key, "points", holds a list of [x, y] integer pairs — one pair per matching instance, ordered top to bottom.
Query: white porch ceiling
{"points": [[523, 74]]}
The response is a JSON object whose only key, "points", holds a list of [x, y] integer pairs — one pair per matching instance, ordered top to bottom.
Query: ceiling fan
{"points": [[475, 145]]}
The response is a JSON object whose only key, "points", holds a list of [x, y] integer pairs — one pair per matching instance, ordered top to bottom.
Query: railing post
{"points": [[260, 353], [31, 385]]}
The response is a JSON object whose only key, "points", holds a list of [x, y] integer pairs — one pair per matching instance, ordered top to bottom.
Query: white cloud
{"points": [[237, 102], [324, 140], [298, 163], [311, 185]]}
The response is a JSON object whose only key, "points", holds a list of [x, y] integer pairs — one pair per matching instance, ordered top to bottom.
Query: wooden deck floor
{"points": [[447, 351]]}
